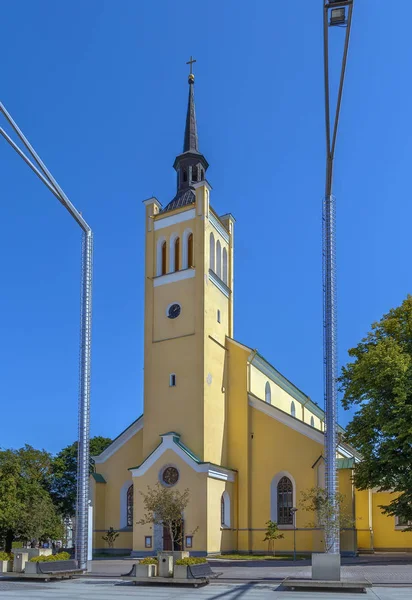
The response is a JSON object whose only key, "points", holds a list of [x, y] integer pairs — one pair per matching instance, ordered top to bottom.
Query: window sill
{"points": [[222, 527], [286, 527]]}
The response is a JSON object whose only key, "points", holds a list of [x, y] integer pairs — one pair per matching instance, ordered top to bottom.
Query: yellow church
{"points": [[218, 418]]}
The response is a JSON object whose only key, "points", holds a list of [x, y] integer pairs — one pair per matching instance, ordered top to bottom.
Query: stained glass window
{"points": [[129, 500], [285, 501]]}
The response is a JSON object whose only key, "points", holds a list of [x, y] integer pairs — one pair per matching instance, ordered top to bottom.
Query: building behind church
{"points": [[218, 418]]}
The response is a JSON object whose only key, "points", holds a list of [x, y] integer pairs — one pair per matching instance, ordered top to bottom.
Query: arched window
{"points": [[194, 173], [202, 174], [185, 175], [212, 252], [177, 254], [161, 256], [164, 258], [218, 259], [190, 262], [225, 266], [268, 393], [293, 409], [312, 422], [285, 501], [129, 504], [225, 510]]}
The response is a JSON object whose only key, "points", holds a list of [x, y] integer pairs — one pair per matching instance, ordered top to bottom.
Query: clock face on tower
{"points": [[173, 311]]}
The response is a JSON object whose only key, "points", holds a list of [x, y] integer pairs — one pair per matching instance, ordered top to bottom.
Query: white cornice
{"points": [[203, 183], [153, 200], [168, 221], [219, 227], [172, 277], [219, 283], [286, 419], [293, 423], [124, 437], [168, 443]]}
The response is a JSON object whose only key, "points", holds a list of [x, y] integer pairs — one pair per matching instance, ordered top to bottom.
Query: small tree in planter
{"points": [[165, 506], [330, 516], [272, 534], [110, 537]]}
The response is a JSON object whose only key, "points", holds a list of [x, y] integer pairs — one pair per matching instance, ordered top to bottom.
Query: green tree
{"points": [[378, 382], [63, 482], [165, 506], [26, 508], [327, 515], [272, 534]]}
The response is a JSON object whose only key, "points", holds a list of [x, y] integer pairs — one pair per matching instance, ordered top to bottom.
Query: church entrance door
{"points": [[178, 535]]}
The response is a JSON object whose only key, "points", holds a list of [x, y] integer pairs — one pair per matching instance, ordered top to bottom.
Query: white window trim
{"points": [[173, 238], [212, 252], [185, 255], [219, 259], [268, 393], [274, 496], [123, 503], [226, 517], [401, 527]]}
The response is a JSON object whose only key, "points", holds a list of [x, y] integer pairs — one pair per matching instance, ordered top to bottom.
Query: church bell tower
{"points": [[188, 308]]}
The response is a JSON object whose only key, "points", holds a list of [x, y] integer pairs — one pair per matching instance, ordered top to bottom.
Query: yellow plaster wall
{"points": [[279, 397], [238, 434], [275, 448], [116, 473], [196, 512], [363, 522], [385, 535], [219, 539]]}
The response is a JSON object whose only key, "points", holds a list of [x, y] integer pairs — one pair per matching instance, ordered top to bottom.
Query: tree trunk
{"points": [[9, 540]]}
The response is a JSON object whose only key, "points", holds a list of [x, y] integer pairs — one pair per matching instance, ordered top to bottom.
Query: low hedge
{"points": [[51, 557], [149, 560], [191, 560]]}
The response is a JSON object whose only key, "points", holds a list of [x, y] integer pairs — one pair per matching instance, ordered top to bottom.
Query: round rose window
{"points": [[170, 476]]}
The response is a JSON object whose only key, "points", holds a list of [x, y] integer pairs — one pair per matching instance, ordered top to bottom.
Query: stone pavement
{"points": [[393, 569], [110, 589]]}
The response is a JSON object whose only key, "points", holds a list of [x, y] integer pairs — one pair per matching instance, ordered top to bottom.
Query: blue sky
{"points": [[100, 89]]}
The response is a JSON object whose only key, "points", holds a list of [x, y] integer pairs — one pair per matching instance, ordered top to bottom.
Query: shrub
{"points": [[5, 556], [51, 557], [149, 560], [191, 560]]}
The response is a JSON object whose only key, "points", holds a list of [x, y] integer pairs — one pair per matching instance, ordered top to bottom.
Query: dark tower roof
{"points": [[191, 142], [191, 165]]}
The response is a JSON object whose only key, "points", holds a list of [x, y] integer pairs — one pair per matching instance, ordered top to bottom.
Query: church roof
{"points": [[191, 142], [182, 198]]}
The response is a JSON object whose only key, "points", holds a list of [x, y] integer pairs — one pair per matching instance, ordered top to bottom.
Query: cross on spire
{"points": [[190, 62]]}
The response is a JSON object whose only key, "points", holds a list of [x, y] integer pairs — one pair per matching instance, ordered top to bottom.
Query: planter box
{"points": [[6, 566], [326, 567], [30, 568], [146, 570], [180, 572]]}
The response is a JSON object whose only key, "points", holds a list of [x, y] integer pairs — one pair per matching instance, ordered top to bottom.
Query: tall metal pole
{"points": [[40, 169], [329, 282], [84, 402]]}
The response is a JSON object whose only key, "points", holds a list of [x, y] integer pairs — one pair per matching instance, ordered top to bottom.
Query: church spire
{"points": [[190, 143], [191, 165]]}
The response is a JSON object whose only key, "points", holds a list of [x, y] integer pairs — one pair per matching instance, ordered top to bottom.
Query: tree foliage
{"points": [[379, 383], [63, 482], [165, 506], [26, 508], [327, 514], [272, 534]]}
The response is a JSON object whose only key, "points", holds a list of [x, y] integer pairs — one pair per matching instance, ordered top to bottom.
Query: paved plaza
{"points": [[391, 576], [110, 589]]}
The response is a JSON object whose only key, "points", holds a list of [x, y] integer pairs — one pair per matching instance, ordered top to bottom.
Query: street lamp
{"points": [[338, 11], [40, 169], [294, 511]]}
